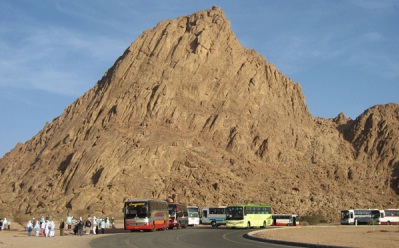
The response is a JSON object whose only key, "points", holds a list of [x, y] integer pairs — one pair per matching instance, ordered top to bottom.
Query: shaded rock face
{"points": [[188, 113]]}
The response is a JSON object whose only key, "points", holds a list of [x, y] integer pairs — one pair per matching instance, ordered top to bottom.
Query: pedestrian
{"points": [[41, 220], [69, 221], [107, 222], [113, 222], [103, 224], [9, 225], [88, 225], [94, 225], [3, 226], [62, 226], [80, 226], [29, 227], [37, 228], [42, 228], [51, 228], [47, 229]]}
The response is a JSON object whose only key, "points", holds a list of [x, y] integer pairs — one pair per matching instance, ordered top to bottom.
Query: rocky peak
{"points": [[187, 111]]}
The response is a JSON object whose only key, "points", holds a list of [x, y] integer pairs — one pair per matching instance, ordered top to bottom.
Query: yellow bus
{"points": [[249, 215]]}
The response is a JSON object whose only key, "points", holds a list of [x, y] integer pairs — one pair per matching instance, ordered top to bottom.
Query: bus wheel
{"points": [[213, 223], [388, 223], [264, 224], [248, 225]]}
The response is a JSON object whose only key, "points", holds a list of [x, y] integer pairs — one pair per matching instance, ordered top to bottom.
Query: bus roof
{"points": [[144, 200], [250, 205]]}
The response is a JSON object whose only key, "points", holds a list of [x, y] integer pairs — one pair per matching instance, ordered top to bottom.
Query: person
{"points": [[41, 220], [69, 221], [107, 222], [112, 222], [1, 224], [4, 224], [103, 224], [9, 225], [88, 225], [94, 225], [62, 226], [80, 226], [29, 227], [37, 228], [42, 228], [46, 228], [51, 228]]}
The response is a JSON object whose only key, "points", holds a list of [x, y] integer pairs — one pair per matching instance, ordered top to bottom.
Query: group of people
{"points": [[5, 223], [91, 224], [42, 227], [45, 227]]}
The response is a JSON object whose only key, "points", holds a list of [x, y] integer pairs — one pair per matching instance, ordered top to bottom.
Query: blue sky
{"points": [[344, 53]]}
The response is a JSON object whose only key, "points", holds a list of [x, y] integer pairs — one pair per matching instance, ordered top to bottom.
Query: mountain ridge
{"points": [[187, 111]]}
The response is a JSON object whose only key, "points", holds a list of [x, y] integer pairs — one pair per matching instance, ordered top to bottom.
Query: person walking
{"points": [[69, 221], [107, 222], [103, 224], [88, 225], [94, 225], [3, 226], [62, 226], [80, 226], [29, 228], [37, 228], [42, 228], [52, 228], [46, 229]]}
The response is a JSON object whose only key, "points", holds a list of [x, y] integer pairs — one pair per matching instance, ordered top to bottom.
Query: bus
{"points": [[145, 214], [178, 215], [193, 215], [249, 215], [215, 216], [359, 216], [389, 217], [285, 220]]}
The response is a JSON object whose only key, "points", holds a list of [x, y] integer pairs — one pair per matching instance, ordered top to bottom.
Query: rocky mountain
{"points": [[188, 113]]}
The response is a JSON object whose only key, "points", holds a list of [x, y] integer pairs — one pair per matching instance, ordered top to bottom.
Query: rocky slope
{"points": [[188, 112]]}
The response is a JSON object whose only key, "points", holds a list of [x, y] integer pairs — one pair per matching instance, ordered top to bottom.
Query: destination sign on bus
{"points": [[136, 204]]}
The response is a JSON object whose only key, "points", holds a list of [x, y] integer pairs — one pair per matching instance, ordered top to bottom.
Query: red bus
{"points": [[145, 214], [178, 215]]}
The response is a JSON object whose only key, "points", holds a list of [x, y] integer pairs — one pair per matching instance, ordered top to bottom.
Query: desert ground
{"points": [[351, 236], [365, 236]]}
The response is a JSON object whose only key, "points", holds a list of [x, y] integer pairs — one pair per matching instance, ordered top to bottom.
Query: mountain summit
{"points": [[187, 113]]}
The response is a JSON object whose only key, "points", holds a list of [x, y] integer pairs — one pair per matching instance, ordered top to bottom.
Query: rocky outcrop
{"points": [[188, 112]]}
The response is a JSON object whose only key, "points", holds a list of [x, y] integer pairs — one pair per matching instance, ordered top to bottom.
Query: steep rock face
{"points": [[186, 111]]}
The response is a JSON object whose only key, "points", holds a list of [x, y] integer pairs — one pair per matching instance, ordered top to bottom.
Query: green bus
{"points": [[249, 215]]}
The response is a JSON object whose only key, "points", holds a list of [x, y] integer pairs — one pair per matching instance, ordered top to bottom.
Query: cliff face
{"points": [[188, 111]]}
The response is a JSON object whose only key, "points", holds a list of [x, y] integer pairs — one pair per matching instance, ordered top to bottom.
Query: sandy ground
{"points": [[351, 236], [364, 236]]}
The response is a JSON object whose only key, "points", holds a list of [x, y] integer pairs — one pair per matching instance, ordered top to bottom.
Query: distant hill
{"points": [[188, 113]]}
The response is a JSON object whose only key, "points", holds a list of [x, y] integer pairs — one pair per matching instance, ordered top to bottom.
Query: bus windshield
{"points": [[136, 209], [234, 213], [344, 214]]}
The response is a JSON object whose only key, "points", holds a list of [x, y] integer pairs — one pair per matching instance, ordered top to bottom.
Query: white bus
{"points": [[193, 215], [215, 216], [359, 216], [389, 217], [285, 220]]}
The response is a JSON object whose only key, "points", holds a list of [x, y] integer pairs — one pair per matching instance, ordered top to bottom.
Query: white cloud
{"points": [[55, 60]]}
